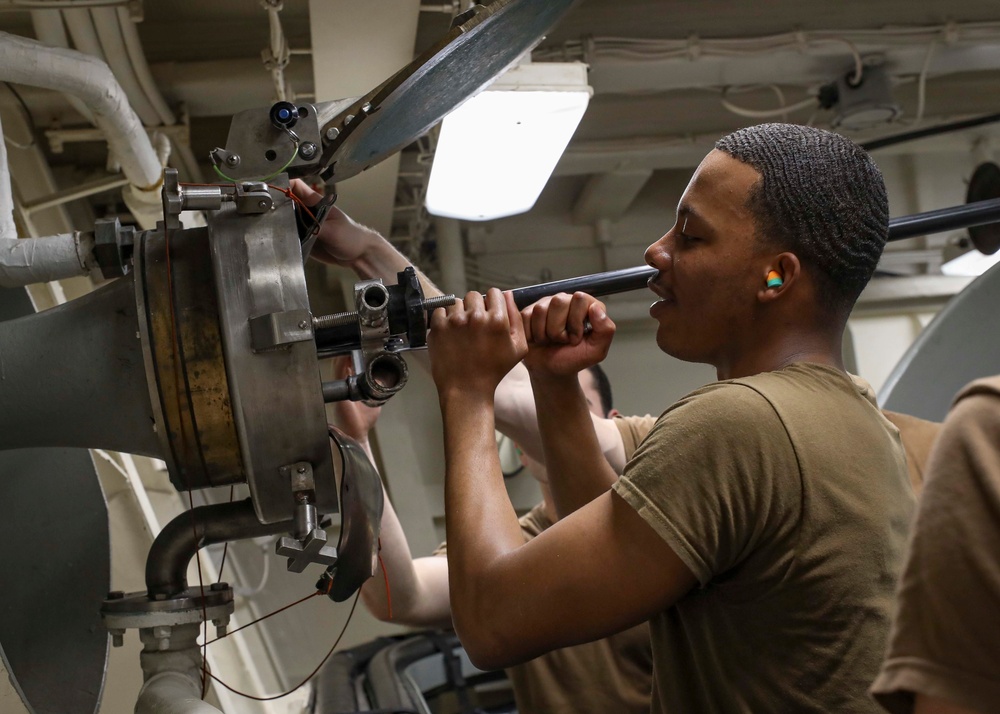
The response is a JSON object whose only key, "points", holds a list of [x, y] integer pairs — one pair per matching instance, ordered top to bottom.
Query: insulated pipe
{"points": [[49, 30], [109, 33], [138, 60], [28, 62], [8, 231], [39, 260], [177, 543], [172, 693]]}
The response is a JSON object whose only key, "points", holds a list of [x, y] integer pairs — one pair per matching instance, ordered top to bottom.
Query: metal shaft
{"points": [[945, 219], [343, 337]]}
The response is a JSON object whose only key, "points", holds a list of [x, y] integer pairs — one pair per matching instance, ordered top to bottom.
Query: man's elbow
{"points": [[488, 646]]}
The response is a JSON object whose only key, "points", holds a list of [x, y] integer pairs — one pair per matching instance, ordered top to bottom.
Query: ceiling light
{"points": [[496, 152]]}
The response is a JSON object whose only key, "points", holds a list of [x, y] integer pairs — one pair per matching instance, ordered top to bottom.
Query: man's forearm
{"points": [[382, 260], [516, 418], [577, 470], [481, 523]]}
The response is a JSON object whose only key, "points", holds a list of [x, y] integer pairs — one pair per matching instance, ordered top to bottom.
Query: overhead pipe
{"points": [[50, 30], [109, 33], [137, 58], [28, 62], [7, 228]]}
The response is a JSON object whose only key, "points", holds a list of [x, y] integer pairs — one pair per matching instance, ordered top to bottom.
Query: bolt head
{"points": [[348, 119], [332, 133], [307, 150], [233, 160], [262, 204], [303, 325], [301, 469], [218, 587], [117, 640]]}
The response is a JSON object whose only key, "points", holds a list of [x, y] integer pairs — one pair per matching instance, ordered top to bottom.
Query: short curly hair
{"points": [[821, 197]]}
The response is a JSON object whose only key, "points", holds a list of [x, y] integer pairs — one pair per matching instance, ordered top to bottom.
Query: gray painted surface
{"points": [[961, 344], [55, 549]]}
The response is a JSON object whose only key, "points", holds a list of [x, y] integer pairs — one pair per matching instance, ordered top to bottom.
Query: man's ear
{"points": [[779, 275], [613, 413]]}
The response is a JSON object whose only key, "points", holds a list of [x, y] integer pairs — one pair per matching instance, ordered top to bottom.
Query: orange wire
{"points": [[385, 576], [270, 614], [312, 674]]}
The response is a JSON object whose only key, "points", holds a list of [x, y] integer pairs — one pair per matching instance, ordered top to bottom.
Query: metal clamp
{"points": [[113, 246], [279, 329]]}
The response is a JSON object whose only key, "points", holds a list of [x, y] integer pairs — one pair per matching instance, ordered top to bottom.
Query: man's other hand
{"points": [[341, 239], [558, 341]]}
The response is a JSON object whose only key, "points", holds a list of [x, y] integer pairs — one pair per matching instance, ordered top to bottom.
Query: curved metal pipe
{"points": [[180, 540]]}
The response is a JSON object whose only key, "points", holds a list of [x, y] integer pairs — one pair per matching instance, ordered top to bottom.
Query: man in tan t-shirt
{"points": [[760, 527], [944, 654], [613, 674]]}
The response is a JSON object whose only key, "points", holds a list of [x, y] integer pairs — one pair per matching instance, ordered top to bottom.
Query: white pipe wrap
{"points": [[81, 29], [49, 30], [109, 32], [138, 58], [28, 62], [7, 228], [39, 260], [172, 693]]}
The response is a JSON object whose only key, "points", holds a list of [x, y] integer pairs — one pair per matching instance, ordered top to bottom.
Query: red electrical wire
{"points": [[385, 576], [312, 674]]}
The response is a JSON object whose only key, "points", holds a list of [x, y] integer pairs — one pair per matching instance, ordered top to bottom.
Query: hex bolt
{"points": [[366, 107], [348, 119], [332, 133], [307, 150], [233, 160], [304, 324], [218, 587], [221, 625], [162, 636], [117, 637]]}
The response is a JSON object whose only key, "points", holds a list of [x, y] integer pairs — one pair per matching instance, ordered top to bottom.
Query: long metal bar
{"points": [[945, 219], [344, 338]]}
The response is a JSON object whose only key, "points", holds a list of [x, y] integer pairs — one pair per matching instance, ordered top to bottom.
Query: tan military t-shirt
{"points": [[918, 436], [787, 496], [946, 636], [604, 677]]}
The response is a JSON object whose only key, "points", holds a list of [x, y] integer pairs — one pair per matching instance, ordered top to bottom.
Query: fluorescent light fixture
{"points": [[496, 152], [972, 263]]}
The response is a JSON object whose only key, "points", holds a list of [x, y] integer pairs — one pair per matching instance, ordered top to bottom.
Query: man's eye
{"points": [[688, 238]]}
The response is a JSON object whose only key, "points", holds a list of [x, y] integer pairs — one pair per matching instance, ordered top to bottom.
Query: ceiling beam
{"points": [[352, 53], [607, 196]]}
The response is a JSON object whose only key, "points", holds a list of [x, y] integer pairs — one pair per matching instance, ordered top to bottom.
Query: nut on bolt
{"points": [[307, 150], [221, 625], [117, 636]]}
